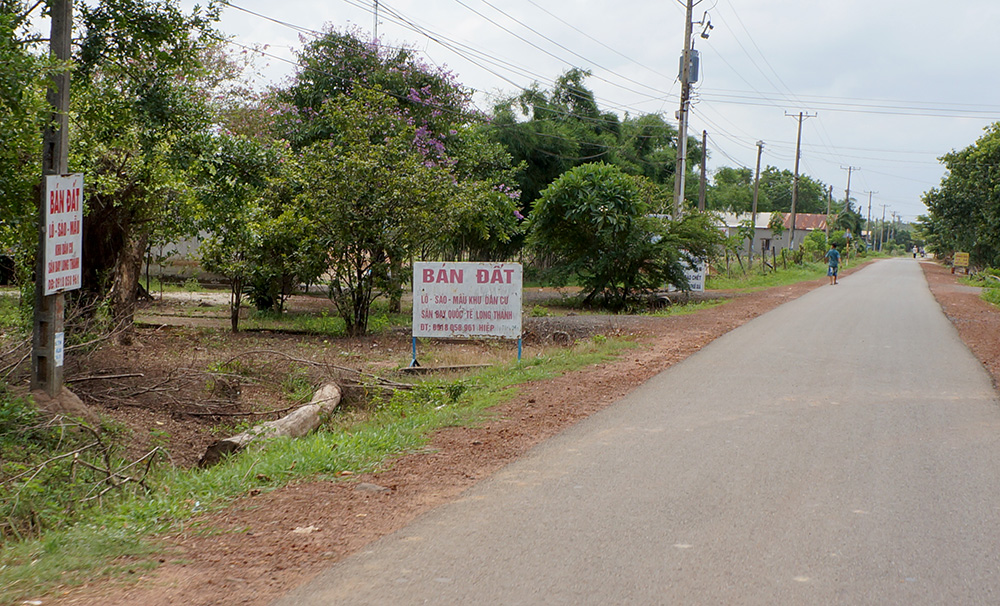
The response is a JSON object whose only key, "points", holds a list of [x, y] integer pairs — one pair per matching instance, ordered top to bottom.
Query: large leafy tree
{"points": [[340, 64], [23, 80], [140, 92], [552, 131], [732, 190], [375, 198], [964, 212], [594, 223], [255, 234]]}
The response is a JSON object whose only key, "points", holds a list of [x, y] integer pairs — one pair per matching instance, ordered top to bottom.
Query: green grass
{"points": [[757, 281], [683, 309], [128, 525]]}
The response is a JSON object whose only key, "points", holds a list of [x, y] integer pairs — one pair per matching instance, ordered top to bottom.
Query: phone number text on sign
{"points": [[452, 300]]}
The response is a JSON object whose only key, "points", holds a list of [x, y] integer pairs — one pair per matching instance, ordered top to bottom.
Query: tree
{"points": [[342, 64], [140, 92], [23, 110], [550, 132], [374, 196], [964, 211], [594, 224], [486, 229], [254, 235]]}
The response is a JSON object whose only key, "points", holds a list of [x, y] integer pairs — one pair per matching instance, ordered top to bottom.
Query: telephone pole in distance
{"points": [[795, 183]]}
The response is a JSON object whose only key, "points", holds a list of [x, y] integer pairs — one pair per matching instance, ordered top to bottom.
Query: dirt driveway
{"points": [[257, 555]]}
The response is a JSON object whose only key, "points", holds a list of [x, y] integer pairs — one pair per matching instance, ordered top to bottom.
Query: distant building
{"points": [[764, 238]]}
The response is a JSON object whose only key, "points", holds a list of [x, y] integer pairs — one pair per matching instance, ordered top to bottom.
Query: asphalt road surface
{"points": [[841, 449]]}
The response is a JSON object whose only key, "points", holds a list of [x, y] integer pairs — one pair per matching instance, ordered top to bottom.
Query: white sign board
{"points": [[63, 204], [695, 277], [467, 300]]}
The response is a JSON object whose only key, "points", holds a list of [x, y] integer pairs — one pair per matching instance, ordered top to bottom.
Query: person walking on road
{"points": [[833, 259]]}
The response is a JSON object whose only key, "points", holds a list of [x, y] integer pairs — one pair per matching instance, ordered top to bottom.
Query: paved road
{"points": [[842, 449]]}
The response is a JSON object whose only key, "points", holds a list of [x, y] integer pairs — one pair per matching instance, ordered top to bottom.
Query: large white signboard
{"points": [[63, 204], [467, 300]]}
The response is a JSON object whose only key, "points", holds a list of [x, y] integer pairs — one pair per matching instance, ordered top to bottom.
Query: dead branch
{"points": [[320, 364], [103, 377], [237, 414], [37, 468]]}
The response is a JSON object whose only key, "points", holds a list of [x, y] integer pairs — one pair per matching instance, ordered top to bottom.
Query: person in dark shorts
{"points": [[833, 260]]}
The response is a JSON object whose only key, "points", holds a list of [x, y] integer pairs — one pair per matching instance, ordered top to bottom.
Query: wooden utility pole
{"points": [[704, 156], [680, 167], [795, 180], [847, 194], [829, 198], [753, 207], [881, 231], [871, 237], [47, 341]]}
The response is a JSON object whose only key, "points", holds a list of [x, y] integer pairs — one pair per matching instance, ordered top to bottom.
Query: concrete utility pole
{"points": [[687, 76], [704, 157], [680, 167], [795, 183], [847, 194], [829, 199], [753, 208], [881, 231], [871, 238], [46, 362]]}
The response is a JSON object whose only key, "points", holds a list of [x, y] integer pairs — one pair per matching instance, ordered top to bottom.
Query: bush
{"points": [[593, 223]]}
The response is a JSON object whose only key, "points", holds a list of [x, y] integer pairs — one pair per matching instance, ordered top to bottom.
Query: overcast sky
{"points": [[893, 84]]}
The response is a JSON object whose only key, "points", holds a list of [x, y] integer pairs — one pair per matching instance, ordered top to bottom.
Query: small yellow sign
{"points": [[961, 259]]}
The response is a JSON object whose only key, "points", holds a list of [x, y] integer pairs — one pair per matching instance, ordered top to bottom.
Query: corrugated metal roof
{"points": [[803, 221], [806, 221]]}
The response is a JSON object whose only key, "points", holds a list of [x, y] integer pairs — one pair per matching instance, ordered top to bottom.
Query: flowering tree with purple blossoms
{"points": [[341, 64], [375, 197]]}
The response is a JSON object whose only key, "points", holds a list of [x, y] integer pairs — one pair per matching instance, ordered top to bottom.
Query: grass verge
{"points": [[757, 281]]}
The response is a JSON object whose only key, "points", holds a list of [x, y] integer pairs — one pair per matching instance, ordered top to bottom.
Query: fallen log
{"points": [[295, 424]]}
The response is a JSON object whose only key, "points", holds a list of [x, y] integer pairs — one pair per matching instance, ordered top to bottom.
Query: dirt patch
{"points": [[258, 555]]}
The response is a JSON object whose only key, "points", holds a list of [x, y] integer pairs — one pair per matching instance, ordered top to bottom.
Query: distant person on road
{"points": [[833, 259]]}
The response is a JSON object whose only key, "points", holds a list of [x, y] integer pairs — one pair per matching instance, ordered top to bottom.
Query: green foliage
{"points": [[339, 65], [24, 71], [141, 94], [550, 132], [732, 190], [375, 199], [964, 211], [592, 223], [257, 236], [757, 281], [10, 313], [298, 387], [51, 473]]}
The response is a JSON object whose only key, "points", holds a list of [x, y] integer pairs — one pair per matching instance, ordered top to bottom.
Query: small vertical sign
{"points": [[63, 205], [59, 353]]}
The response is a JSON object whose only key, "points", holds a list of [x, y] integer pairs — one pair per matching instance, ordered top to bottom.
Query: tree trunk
{"points": [[125, 284], [235, 302], [295, 424]]}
